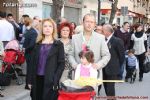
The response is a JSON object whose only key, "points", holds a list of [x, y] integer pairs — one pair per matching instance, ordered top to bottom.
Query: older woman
{"points": [[65, 31], [47, 63]]}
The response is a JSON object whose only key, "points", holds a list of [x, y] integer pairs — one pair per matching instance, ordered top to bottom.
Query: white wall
{"points": [[127, 3], [90, 5], [105, 5], [33, 11]]}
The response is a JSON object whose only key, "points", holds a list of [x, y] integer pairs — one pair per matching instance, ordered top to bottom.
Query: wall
{"points": [[127, 3], [89, 5], [10, 6], [33, 11], [72, 11]]}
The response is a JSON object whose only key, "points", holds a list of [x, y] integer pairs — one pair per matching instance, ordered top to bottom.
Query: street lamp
{"points": [[99, 9]]}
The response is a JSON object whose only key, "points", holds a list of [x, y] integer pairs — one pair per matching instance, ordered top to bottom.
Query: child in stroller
{"points": [[12, 49], [131, 66]]}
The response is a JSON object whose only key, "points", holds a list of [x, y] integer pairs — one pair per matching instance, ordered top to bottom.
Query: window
{"points": [[47, 10], [93, 12], [102, 20], [118, 21]]}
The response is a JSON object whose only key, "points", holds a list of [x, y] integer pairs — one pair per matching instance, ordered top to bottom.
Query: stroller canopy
{"points": [[13, 44]]}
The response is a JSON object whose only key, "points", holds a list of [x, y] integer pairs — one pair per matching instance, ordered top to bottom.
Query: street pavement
{"points": [[136, 90], [15, 92]]}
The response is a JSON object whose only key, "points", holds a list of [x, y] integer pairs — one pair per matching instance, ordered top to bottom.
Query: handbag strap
{"points": [[147, 58]]}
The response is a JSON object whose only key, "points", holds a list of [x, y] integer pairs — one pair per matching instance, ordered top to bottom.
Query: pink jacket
{"points": [[85, 71]]}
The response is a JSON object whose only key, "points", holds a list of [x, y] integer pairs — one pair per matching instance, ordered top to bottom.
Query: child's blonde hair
{"points": [[131, 51]]}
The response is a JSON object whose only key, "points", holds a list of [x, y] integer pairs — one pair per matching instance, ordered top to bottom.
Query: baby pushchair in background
{"points": [[13, 56]]}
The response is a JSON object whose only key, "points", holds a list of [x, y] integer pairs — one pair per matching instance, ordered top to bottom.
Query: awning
{"points": [[105, 11], [108, 11], [118, 13], [133, 14]]}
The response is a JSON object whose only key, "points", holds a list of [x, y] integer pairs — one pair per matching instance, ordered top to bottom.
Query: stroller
{"points": [[13, 56], [70, 93]]}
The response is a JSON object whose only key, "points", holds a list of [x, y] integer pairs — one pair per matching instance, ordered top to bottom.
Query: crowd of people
{"points": [[53, 50]]}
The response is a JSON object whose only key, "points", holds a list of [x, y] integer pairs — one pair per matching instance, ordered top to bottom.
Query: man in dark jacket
{"points": [[123, 34], [116, 50]]}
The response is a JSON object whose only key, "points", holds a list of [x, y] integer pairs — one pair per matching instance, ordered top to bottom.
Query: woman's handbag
{"points": [[146, 65], [5, 79]]}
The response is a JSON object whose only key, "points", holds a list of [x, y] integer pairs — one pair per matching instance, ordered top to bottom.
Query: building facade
{"points": [[10, 6], [90, 6], [71, 9], [74, 10], [136, 11]]}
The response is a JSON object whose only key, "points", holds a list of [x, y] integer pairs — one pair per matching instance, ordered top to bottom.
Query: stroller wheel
{"points": [[19, 81]]}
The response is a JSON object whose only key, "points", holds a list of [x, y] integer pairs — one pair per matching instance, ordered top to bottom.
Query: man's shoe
{"points": [[141, 79], [126, 80], [26, 87]]}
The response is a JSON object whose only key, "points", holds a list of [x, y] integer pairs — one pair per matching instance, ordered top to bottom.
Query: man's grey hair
{"points": [[109, 28]]}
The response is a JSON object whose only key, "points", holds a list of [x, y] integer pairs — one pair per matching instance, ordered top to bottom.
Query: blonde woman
{"points": [[47, 63]]}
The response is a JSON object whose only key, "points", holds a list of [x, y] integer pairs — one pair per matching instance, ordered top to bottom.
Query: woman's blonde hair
{"points": [[27, 21], [41, 36]]}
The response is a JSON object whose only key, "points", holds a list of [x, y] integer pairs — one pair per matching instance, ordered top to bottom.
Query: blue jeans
{"points": [[123, 66], [122, 70]]}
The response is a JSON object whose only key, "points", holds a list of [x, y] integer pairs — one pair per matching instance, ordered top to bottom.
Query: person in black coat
{"points": [[125, 36], [29, 42], [48, 63], [112, 69]]}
